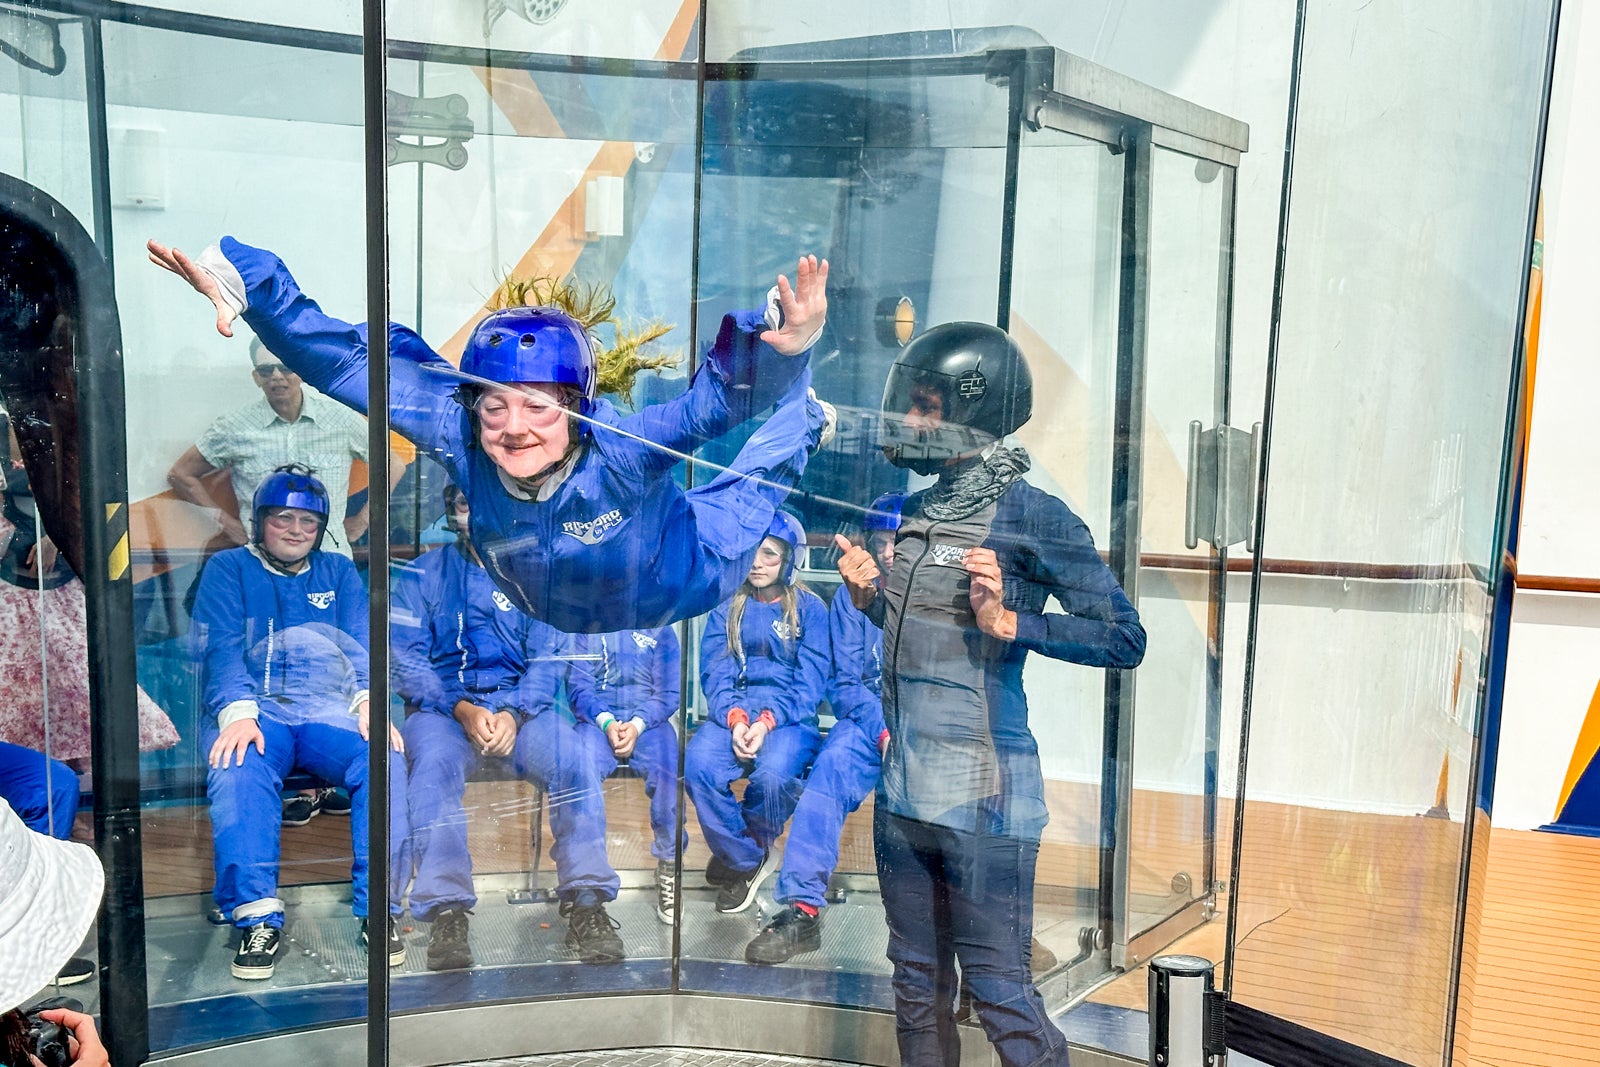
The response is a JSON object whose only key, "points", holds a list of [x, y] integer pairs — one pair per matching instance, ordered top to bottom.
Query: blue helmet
{"points": [[533, 344], [291, 486], [883, 515], [786, 528]]}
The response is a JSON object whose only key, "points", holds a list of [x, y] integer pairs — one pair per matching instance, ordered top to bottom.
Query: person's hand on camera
{"points": [[87, 1051]]}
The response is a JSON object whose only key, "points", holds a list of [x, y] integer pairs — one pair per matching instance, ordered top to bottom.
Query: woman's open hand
{"points": [[200, 279], [804, 307]]}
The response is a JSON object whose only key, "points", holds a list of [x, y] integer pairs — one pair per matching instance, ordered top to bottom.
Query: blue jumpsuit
{"points": [[619, 545], [458, 637], [296, 648], [781, 674], [633, 676], [848, 767], [41, 790]]}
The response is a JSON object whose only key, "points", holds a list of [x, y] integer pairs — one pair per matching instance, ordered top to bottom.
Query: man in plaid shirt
{"points": [[288, 424]]}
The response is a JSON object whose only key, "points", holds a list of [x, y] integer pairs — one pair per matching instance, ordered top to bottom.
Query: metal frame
{"points": [[375, 86], [102, 477]]}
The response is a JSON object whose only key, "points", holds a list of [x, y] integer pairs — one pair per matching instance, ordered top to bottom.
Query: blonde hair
{"points": [[593, 305], [790, 597]]}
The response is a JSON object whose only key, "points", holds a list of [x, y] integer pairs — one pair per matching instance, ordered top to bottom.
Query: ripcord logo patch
{"points": [[592, 531], [949, 555], [320, 601], [501, 601], [783, 631], [644, 641]]}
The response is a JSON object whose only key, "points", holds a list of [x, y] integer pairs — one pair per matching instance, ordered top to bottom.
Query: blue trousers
{"points": [[561, 756], [655, 759], [845, 771], [41, 790], [247, 813], [739, 834], [954, 895]]}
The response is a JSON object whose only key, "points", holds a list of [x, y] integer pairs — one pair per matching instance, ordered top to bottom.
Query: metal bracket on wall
{"points": [[438, 126], [1220, 506]]}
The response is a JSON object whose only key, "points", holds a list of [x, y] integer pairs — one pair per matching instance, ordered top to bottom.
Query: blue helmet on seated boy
{"points": [[290, 486]]}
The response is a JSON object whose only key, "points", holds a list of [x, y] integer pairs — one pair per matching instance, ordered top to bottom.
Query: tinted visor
{"points": [[922, 417]]}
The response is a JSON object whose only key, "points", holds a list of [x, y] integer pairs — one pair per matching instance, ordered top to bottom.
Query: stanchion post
{"points": [[1186, 1013]]}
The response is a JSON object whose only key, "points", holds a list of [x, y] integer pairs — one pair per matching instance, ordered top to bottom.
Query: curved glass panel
{"points": [[1397, 349]]}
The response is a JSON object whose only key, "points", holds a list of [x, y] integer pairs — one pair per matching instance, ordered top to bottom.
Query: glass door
{"points": [[1126, 289]]}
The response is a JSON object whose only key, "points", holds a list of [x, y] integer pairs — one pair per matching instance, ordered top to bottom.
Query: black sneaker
{"points": [[332, 802], [300, 809], [719, 874], [666, 891], [736, 894], [791, 931], [592, 933], [447, 941], [396, 947], [258, 952], [77, 970]]}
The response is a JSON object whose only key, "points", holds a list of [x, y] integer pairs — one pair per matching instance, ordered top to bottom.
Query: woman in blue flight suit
{"points": [[575, 514], [281, 633], [763, 669], [481, 679], [626, 684], [847, 768], [960, 808]]}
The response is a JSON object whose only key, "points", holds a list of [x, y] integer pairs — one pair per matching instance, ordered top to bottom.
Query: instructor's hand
{"points": [[202, 282], [804, 307], [859, 571], [986, 592]]}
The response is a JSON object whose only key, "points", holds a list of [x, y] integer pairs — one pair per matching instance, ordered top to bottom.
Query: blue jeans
{"points": [[739, 834], [954, 895]]}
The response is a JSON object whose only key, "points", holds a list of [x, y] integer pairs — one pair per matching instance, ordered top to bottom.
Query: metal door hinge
{"points": [[436, 128], [1220, 507]]}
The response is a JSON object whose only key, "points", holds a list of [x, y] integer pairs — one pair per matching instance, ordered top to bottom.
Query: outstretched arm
{"points": [[329, 353], [756, 357]]}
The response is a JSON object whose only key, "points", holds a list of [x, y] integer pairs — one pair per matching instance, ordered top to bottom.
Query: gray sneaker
{"points": [[666, 891]]}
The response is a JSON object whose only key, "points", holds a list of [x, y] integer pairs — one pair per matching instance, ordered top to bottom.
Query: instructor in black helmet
{"points": [[961, 806]]}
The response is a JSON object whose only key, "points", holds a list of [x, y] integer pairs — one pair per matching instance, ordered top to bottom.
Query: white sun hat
{"points": [[49, 893]]}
